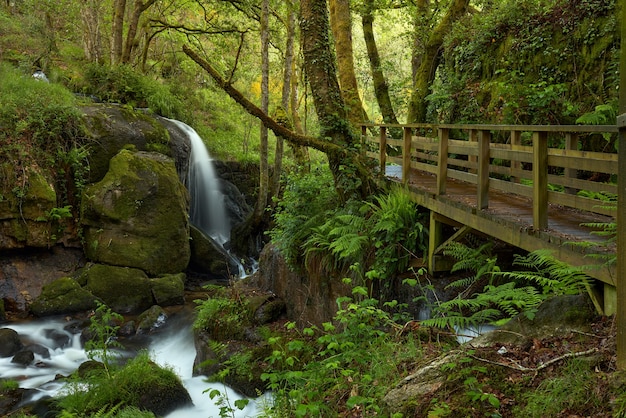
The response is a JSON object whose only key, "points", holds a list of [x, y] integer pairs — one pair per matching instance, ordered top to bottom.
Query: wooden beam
{"points": [[516, 143], [571, 143], [383, 149], [406, 154], [442, 161], [540, 180], [482, 187], [511, 234], [621, 237]]}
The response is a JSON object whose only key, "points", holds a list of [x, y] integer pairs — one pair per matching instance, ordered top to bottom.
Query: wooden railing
{"points": [[539, 162]]}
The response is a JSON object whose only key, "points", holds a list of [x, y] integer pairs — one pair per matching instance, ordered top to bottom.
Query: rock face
{"points": [[27, 198], [133, 213], [136, 216], [209, 257], [64, 295], [310, 299]]}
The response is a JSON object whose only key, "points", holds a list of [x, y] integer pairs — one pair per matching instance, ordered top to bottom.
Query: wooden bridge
{"points": [[533, 187]]}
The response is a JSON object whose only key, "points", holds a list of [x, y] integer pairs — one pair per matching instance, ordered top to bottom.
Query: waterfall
{"points": [[207, 211]]}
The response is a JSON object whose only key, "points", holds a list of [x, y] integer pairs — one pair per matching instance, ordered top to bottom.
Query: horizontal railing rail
{"points": [[545, 163]]}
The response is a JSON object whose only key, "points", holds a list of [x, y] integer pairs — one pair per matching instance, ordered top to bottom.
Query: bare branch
{"points": [[279, 130]]}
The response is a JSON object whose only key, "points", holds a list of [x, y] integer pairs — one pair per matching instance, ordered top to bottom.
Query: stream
{"points": [[171, 346]]}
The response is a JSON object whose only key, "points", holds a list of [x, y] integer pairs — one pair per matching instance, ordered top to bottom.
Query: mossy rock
{"points": [[113, 127], [24, 204], [137, 216], [169, 289], [125, 290], [63, 296], [151, 319]]}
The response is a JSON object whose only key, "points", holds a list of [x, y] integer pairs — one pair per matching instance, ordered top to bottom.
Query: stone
{"points": [[24, 208], [137, 215], [210, 258], [125, 290], [169, 290], [63, 296], [151, 319], [10, 342], [23, 357]]}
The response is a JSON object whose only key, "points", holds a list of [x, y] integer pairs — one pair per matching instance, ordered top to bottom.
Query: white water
{"points": [[207, 211], [173, 348]]}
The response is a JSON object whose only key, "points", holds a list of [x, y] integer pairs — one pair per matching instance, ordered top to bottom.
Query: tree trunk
{"points": [[90, 13], [341, 23], [133, 27], [117, 31], [431, 58], [381, 89], [284, 102], [352, 179], [261, 203]]}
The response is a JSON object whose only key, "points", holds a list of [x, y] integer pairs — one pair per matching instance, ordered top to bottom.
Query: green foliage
{"points": [[525, 62], [122, 84], [44, 114], [305, 204], [380, 237], [490, 295], [222, 315], [103, 329], [347, 365], [7, 385], [568, 391], [104, 394], [224, 404]]}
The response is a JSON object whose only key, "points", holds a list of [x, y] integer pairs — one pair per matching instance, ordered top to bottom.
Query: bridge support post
{"points": [[406, 154], [540, 180], [482, 187], [621, 238]]}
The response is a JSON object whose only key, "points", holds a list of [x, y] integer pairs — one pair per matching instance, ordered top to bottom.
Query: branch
{"points": [[279, 130], [542, 366]]}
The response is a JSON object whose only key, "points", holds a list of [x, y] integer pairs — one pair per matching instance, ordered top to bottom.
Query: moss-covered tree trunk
{"points": [[341, 25], [117, 31], [430, 61], [381, 88], [350, 178]]}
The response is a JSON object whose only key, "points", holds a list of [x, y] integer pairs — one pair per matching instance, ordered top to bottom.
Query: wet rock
{"points": [[208, 257], [169, 290], [151, 319], [59, 338], [10, 342], [39, 350], [23, 357]]}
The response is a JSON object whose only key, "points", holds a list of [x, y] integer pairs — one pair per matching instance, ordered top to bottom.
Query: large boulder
{"points": [[136, 216], [169, 289], [125, 290], [63, 296], [10, 342]]}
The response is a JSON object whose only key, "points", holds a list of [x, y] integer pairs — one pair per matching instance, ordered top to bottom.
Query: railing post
{"points": [[473, 137], [363, 141], [571, 143], [383, 149], [406, 154], [442, 160], [516, 165], [540, 180], [482, 183], [621, 244]]}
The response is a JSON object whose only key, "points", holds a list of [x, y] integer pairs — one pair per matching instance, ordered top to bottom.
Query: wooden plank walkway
{"points": [[460, 181]]}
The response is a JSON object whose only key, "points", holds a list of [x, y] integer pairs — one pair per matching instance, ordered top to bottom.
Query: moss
{"points": [[137, 215], [169, 289], [124, 290], [62, 296]]}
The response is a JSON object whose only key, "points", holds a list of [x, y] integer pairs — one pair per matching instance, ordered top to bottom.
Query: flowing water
{"points": [[207, 211], [172, 347]]}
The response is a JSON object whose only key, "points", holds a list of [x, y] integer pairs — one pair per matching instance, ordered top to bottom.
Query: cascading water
{"points": [[207, 211], [60, 352]]}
